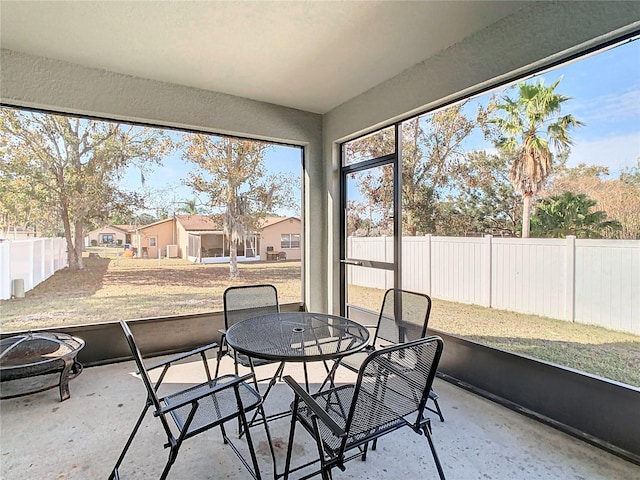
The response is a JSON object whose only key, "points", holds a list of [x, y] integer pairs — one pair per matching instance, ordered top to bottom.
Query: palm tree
{"points": [[530, 126], [189, 206], [570, 214]]}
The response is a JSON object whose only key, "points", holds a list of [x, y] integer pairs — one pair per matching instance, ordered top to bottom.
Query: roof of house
{"points": [[269, 221], [199, 223], [142, 227], [124, 228]]}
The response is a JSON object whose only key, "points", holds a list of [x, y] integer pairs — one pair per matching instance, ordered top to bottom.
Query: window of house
{"points": [[157, 188], [107, 238], [290, 240], [566, 293]]}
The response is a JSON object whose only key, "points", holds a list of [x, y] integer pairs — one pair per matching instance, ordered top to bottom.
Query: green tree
{"points": [[532, 129], [431, 154], [77, 165], [231, 172], [618, 197], [484, 201], [189, 207], [570, 214]]}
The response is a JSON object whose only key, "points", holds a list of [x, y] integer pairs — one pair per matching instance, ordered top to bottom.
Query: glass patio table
{"points": [[295, 337]]}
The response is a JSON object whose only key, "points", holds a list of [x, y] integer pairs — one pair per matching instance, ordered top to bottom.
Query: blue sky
{"points": [[605, 91], [168, 178]]}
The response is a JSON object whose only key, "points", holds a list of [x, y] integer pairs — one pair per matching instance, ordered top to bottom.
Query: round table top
{"points": [[297, 336]]}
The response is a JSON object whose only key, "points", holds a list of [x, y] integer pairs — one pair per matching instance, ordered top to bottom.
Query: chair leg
{"points": [[219, 356], [206, 366], [434, 397], [426, 428], [292, 429], [364, 451], [252, 452], [173, 454], [114, 473]]}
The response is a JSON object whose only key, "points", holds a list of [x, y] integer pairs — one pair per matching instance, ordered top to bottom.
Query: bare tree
{"points": [[77, 165], [231, 172]]}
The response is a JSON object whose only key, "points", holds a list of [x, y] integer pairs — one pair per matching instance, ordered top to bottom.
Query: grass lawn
{"points": [[115, 288]]}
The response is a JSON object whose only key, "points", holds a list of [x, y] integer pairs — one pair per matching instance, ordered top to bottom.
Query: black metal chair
{"points": [[240, 303], [404, 316], [391, 392], [195, 409]]}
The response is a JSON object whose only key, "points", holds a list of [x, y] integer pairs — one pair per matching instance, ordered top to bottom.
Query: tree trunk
{"points": [[526, 213], [78, 245], [72, 258], [233, 260]]}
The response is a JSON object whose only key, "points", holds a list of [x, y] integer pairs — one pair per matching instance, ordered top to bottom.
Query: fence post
{"points": [[32, 257], [43, 260], [429, 265], [485, 270], [570, 284]]}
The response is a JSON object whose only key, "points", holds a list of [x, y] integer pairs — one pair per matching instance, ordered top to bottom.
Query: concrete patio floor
{"points": [[81, 438]]}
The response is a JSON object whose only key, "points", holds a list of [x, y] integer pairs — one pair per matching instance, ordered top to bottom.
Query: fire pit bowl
{"points": [[38, 355]]}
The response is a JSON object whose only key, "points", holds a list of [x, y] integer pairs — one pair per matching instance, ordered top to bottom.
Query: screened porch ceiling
{"points": [[312, 56]]}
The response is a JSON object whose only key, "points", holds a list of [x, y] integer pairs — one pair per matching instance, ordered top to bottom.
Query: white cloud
{"points": [[611, 108], [616, 152]]}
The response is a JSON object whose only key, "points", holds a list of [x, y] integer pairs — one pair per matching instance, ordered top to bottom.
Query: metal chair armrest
{"points": [[181, 356], [210, 391], [314, 407]]}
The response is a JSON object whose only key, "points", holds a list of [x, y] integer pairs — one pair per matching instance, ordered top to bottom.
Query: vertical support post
{"points": [[397, 207], [32, 256], [43, 258], [52, 263], [429, 266], [486, 271], [570, 284]]}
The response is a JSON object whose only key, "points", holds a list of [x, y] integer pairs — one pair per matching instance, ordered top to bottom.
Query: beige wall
{"points": [[164, 234], [97, 235], [270, 237]]}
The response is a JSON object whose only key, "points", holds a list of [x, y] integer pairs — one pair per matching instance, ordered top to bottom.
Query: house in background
{"points": [[15, 233], [109, 235], [201, 238], [280, 238], [156, 239]]}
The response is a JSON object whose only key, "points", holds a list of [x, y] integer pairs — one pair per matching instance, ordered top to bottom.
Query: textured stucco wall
{"points": [[534, 36], [38, 82]]}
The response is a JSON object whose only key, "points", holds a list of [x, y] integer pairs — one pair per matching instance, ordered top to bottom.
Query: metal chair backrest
{"points": [[249, 301], [404, 316], [142, 370], [393, 383]]}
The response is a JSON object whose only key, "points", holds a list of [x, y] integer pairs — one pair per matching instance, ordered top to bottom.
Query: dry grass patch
{"points": [[117, 288], [124, 288], [596, 350]]}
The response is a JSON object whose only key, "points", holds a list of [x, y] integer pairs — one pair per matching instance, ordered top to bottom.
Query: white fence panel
{"points": [[370, 248], [32, 260], [416, 264], [456, 269], [5, 273], [529, 276], [586, 281], [608, 284]]}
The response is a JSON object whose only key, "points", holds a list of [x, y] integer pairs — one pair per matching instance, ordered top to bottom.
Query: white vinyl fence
{"points": [[33, 260], [586, 281]]}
